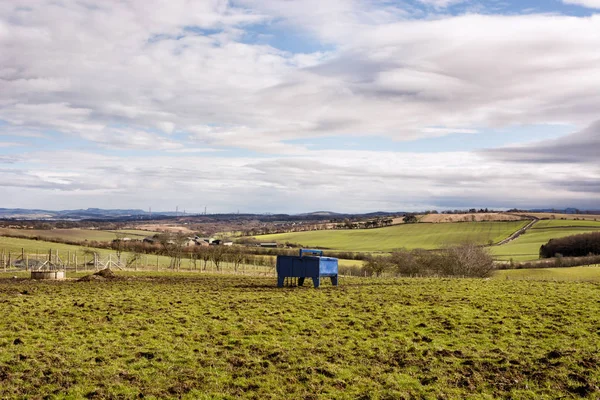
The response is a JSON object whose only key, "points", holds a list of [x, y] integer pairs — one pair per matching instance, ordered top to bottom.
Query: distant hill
{"points": [[20, 213], [136, 214]]}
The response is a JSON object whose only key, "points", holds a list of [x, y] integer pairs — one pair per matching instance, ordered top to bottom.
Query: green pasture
{"points": [[555, 223], [77, 234], [410, 236], [527, 246], [588, 274], [193, 336]]}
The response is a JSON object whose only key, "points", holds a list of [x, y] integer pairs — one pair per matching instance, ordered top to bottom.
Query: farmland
{"points": [[76, 234], [410, 236], [527, 246], [581, 274], [192, 336]]}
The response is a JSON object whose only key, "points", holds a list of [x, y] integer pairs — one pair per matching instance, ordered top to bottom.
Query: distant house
{"points": [[150, 240], [227, 243], [271, 245]]}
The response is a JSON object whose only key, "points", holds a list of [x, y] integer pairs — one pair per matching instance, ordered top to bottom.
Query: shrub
{"points": [[468, 260]]}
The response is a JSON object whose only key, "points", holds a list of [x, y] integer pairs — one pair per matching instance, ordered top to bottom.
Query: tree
{"points": [[410, 219], [173, 247], [217, 255], [236, 256]]}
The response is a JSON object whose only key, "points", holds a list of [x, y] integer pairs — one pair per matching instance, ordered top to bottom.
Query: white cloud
{"points": [[584, 3], [182, 77], [340, 180]]}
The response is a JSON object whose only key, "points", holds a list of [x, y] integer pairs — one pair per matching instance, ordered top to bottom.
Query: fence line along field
{"points": [[410, 236], [527, 246], [71, 255], [195, 336]]}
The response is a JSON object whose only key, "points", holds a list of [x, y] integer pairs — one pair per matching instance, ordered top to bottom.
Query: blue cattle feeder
{"points": [[309, 264]]}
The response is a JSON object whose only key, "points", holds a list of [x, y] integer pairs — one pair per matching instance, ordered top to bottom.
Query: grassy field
{"points": [[77, 234], [410, 236], [527, 246], [581, 274], [208, 337]]}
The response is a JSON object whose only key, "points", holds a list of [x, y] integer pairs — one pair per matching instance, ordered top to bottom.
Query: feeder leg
{"points": [[280, 280], [334, 280], [301, 281], [316, 281]]}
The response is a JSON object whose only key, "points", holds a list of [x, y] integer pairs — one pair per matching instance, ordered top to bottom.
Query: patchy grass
{"points": [[410, 236], [526, 247], [207, 337]]}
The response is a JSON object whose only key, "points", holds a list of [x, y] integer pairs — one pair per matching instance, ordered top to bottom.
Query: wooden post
{"points": [[26, 262], [75, 262], [157, 263]]}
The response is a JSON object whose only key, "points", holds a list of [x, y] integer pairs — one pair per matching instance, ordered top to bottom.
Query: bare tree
{"points": [[217, 254], [236, 256]]}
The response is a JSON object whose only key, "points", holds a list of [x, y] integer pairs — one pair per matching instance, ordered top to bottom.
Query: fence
{"points": [[90, 261]]}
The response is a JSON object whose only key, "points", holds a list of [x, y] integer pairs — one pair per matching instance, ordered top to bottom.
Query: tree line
{"points": [[572, 246]]}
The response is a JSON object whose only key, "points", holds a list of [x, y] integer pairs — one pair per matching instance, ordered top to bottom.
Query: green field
{"points": [[554, 223], [77, 234], [410, 236], [526, 247], [581, 274], [206, 337]]}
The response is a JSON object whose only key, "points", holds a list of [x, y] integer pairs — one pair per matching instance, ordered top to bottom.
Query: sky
{"points": [[300, 105]]}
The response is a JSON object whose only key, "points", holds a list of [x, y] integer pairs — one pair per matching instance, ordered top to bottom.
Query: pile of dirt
{"points": [[106, 273], [101, 275]]}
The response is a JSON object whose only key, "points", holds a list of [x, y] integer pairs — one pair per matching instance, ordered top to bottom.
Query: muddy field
{"points": [[190, 336]]}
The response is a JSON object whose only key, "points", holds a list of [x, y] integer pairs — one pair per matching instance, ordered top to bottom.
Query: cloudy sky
{"points": [[299, 105]]}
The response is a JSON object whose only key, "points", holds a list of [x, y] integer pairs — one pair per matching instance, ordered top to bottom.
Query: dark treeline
{"points": [[572, 246]]}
